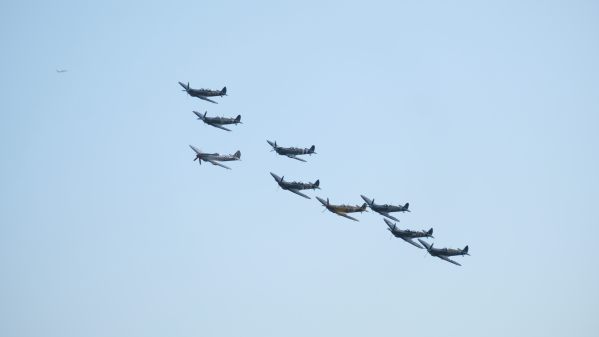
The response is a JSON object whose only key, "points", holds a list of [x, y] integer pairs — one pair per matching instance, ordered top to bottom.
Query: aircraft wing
{"points": [[207, 99], [218, 126], [195, 149], [296, 158], [214, 162], [277, 178], [298, 193], [322, 201], [368, 201], [345, 216], [388, 216], [412, 243], [424, 243], [448, 260]]}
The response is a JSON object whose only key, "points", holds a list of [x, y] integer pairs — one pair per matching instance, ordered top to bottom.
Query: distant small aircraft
{"points": [[61, 71], [203, 93], [217, 122], [291, 152], [214, 158], [294, 186], [385, 209], [342, 210], [408, 235], [443, 253]]}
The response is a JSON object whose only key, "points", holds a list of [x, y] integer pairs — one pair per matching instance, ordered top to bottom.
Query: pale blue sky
{"points": [[483, 115]]}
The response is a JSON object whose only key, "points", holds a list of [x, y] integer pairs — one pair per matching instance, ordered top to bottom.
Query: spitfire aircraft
{"points": [[203, 93], [218, 122], [291, 152], [214, 158], [295, 186], [385, 209], [342, 210], [408, 235], [443, 253]]}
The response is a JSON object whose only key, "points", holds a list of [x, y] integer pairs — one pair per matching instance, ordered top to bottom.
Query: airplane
{"points": [[61, 71], [203, 93], [217, 122], [291, 152], [214, 158], [295, 186], [385, 209], [342, 210], [408, 235], [443, 253]]}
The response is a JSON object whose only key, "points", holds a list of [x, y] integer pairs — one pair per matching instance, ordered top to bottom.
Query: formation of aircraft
{"points": [[203, 93], [218, 122], [291, 152], [215, 158], [295, 186], [385, 209], [342, 210], [443, 253]]}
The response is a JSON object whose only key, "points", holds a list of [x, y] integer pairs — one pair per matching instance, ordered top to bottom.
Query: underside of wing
{"points": [[207, 99], [218, 126], [195, 149], [296, 158], [214, 162], [298, 193], [346, 216], [389, 216], [413, 243], [448, 259]]}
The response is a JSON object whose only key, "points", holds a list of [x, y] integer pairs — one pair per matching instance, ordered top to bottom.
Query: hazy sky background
{"points": [[483, 115]]}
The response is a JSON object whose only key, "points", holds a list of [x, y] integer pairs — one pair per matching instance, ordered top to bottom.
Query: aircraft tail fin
{"points": [[224, 91], [238, 119], [312, 148], [238, 154], [364, 205], [406, 207], [430, 232], [465, 250]]}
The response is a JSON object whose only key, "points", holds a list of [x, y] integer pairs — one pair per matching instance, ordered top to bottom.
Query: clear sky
{"points": [[483, 115]]}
